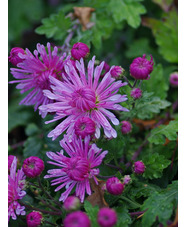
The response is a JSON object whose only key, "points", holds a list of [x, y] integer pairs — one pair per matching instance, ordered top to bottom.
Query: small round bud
{"points": [[79, 50], [14, 55], [141, 68], [117, 71], [174, 79], [136, 93], [84, 126], [126, 127], [10, 160], [33, 166], [139, 167], [127, 179], [114, 186], [71, 203], [107, 217], [34, 219], [77, 219]]}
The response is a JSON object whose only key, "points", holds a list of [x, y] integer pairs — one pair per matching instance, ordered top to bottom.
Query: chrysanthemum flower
{"points": [[80, 50], [14, 55], [141, 68], [34, 71], [174, 79], [136, 93], [82, 95], [33, 166], [77, 169], [16, 182], [114, 186], [107, 217], [34, 219], [77, 219]]}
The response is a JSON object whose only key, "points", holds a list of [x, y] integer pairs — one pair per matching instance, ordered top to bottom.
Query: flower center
{"points": [[83, 99], [77, 168]]}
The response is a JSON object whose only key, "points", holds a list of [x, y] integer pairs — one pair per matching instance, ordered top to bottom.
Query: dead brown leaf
{"points": [[84, 15], [144, 124], [97, 198]]}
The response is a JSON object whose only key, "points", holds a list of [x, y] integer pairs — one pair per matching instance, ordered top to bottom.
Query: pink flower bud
{"points": [[79, 50], [14, 55], [141, 68], [117, 71], [174, 79], [136, 93], [84, 126], [126, 127], [10, 160], [33, 166], [139, 167], [127, 179], [114, 186], [71, 203], [107, 217], [34, 219], [77, 219]]}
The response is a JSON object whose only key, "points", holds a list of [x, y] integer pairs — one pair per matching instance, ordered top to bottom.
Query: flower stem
{"points": [[47, 194], [130, 201], [41, 210]]}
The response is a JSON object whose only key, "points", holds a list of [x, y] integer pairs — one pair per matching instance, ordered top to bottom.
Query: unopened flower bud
{"points": [[79, 50], [14, 55], [141, 68], [117, 71], [174, 79], [136, 93], [126, 127], [33, 166], [139, 167], [127, 179], [114, 186], [71, 203], [107, 217], [34, 219], [77, 219]]}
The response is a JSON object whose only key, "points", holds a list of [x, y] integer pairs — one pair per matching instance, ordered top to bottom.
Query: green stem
{"points": [[130, 201]]}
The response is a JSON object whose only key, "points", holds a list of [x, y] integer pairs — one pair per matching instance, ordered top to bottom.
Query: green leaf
{"points": [[127, 10], [55, 26], [168, 27], [157, 83], [148, 105], [31, 129], [159, 134], [32, 147], [155, 164], [160, 204], [92, 213], [124, 218]]}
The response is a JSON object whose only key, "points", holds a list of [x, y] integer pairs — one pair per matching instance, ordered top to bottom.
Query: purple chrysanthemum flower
{"points": [[79, 50], [14, 55], [141, 68], [34, 71], [117, 71], [174, 79], [136, 93], [84, 96], [84, 126], [126, 127], [10, 160], [33, 166], [139, 167], [77, 169], [127, 179], [16, 183], [114, 186], [71, 203], [107, 217], [34, 219], [77, 219]]}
